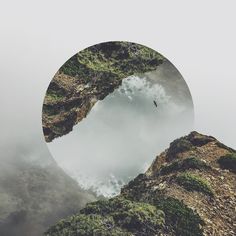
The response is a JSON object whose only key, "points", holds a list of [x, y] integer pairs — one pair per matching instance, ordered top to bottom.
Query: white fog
{"points": [[123, 133]]}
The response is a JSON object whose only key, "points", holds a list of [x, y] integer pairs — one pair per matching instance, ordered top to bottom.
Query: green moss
{"points": [[228, 162], [188, 163], [194, 183], [117, 216], [183, 220]]}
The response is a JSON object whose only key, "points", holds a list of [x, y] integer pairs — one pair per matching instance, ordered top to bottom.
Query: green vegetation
{"points": [[116, 58], [97, 70], [53, 96], [199, 140], [221, 145], [178, 146], [228, 162], [188, 163], [167, 169], [194, 183], [145, 208], [117, 216], [183, 220], [85, 225]]}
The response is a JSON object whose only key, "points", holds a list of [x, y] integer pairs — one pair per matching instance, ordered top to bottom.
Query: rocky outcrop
{"points": [[90, 76], [188, 190]]}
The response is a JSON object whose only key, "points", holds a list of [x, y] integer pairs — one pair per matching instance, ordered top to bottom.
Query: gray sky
{"points": [[37, 37]]}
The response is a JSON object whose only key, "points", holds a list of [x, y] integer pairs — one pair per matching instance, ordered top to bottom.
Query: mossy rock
{"points": [[228, 162], [188, 163], [194, 183], [117, 216], [179, 217]]}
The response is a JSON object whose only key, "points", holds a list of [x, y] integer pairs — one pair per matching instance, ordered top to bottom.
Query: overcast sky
{"points": [[37, 37]]}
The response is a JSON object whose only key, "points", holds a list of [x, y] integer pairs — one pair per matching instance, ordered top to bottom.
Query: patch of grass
{"points": [[72, 67], [53, 97], [228, 162], [188, 163], [193, 163], [194, 183], [129, 214], [116, 216], [183, 220], [85, 225]]}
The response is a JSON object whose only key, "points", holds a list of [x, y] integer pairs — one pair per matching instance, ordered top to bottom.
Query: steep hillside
{"points": [[89, 76], [188, 190], [32, 197]]}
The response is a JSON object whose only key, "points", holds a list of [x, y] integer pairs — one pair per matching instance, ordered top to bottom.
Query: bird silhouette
{"points": [[155, 103]]}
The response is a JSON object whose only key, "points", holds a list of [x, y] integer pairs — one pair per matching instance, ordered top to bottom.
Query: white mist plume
{"points": [[122, 135]]}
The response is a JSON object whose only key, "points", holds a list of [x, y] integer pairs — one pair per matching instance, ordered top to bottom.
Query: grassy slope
{"points": [[186, 192]]}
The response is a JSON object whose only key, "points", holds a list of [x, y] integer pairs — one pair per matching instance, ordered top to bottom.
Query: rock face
{"points": [[90, 76], [188, 190], [32, 197]]}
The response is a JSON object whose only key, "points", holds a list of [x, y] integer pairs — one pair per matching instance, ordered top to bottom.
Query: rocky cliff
{"points": [[89, 76], [188, 190]]}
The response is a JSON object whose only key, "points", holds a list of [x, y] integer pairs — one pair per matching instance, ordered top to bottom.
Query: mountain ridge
{"points": [[89, 76], [189, 189]]}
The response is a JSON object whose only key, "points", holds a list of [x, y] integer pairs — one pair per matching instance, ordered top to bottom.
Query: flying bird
{"points": [[155, 103]]}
